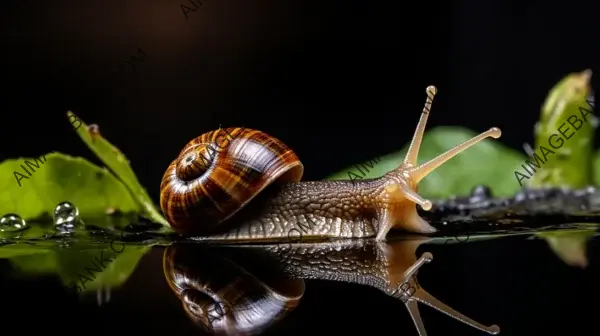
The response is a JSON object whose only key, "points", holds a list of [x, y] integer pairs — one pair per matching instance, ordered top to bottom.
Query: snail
{"points": [[210, 198], [244, 290]]}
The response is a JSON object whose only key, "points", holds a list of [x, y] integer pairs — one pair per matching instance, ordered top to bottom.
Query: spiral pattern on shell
{"points": [[219, 172]]}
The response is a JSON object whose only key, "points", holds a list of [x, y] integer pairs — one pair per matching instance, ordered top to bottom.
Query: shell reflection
{"points": [[225, 298]]}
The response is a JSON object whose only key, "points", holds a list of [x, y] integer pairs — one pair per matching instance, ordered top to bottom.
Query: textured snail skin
{"points": [[208, 198], [313, 209]]}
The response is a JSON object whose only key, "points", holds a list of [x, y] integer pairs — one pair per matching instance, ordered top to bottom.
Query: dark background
{"points": [[343, 77]]}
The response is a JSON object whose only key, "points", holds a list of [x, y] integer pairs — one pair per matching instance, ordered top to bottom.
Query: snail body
{"points": [[206, 190]]}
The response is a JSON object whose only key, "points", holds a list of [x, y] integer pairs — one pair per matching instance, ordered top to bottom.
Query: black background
{"points": [[342, 77]]}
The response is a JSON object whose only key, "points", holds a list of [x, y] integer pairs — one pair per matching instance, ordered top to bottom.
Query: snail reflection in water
{"points": [[251, 166], [220, 292], [222, 296]]}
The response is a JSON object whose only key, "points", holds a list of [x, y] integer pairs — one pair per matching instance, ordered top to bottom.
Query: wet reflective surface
{"points": [[513, 263]]}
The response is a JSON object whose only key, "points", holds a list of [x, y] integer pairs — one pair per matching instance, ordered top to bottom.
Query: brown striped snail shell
{"points": [[219, 172], [223, 297]]}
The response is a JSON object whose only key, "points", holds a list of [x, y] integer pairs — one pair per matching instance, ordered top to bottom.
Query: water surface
{"points": [[515, 263]]}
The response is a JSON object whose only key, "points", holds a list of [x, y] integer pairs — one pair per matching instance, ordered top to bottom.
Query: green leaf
{"points": [[566, 131], [112, 157], [489, 163], [61, 178], [32, 187], [570, 246], [14, 251], [35, 264], [85, 266], [99, 266]]}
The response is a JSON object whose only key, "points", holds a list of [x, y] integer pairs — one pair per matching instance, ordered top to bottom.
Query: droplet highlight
{"points": [[481, 191], [66, 216], [12, 223]]}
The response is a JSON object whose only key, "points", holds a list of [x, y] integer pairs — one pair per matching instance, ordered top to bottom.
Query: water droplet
{"points": [[481, 192], [520, 197], [66, 216], [12, 223]]}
